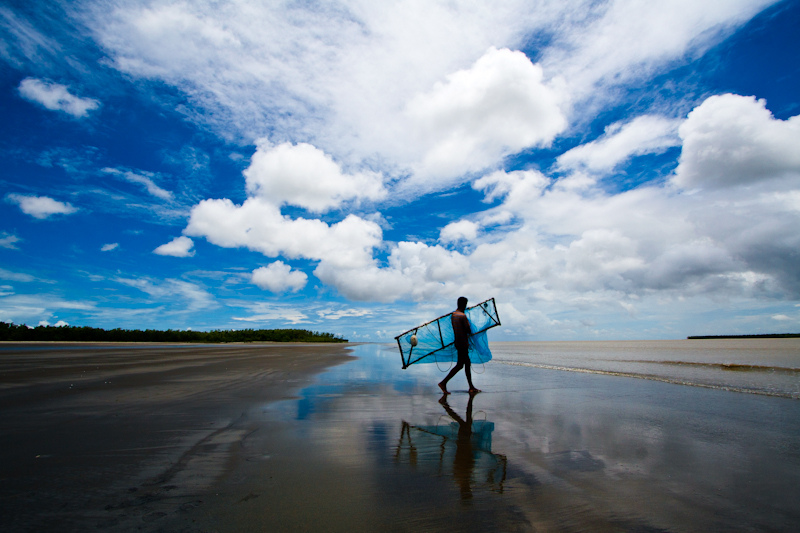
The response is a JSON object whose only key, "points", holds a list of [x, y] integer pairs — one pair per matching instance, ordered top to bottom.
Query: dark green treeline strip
{"points": [[13, 332]]}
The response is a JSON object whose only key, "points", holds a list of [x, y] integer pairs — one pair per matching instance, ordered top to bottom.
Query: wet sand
{"points": [[120, 438], [249, 439]]}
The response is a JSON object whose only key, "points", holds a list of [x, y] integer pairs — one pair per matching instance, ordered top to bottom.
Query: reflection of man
{"points": [[462, 331], [464, 460]]}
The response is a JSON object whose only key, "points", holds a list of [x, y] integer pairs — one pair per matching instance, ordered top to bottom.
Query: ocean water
{"points": [[759, 366]]}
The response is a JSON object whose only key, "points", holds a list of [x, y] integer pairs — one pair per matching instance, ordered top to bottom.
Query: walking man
{"points": [[462, 331]]}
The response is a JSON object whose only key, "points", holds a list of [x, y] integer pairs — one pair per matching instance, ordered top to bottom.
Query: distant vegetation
{"points": [[13, 332], [761, 336]]}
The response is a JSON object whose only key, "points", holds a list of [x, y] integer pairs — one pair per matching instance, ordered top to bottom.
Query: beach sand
{"points": [[118, 437], [235, 439]]}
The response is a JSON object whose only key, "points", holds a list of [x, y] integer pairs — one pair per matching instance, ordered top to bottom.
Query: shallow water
{"points": [[759, 366], [372, 447]]}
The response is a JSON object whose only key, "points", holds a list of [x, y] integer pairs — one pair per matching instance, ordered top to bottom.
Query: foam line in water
{"points": [[652, 377]]}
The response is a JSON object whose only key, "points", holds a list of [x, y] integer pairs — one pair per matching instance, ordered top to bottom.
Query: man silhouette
{"points": [[462, 331]]}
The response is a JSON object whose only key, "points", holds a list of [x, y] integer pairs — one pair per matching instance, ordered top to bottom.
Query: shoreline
{"points": [[164, 343], [119, 437]]}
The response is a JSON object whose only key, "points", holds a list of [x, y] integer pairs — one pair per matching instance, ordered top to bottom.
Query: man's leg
{"points": [[468, 372], [443, 383]]}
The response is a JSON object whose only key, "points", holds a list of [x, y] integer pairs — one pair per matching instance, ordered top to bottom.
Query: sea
{"points": [[763, 366]]}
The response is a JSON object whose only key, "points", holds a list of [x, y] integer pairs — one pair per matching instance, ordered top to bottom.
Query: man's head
{"points": [[462, 303]]}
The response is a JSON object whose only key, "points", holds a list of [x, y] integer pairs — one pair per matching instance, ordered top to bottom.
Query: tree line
{"points": [[21, 332]]}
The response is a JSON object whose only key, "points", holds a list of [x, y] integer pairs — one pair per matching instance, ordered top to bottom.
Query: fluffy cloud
{"points": [[359, 61], [363, 84], [56, 97], [497, 107], [643, 135], [733, 140], [304, 176], [516, 188], [41, 207], [259, 226], [459, 230], [728, 238], [565, 240], [109, 247], [177, 247], [415, 271], [279, 277]]}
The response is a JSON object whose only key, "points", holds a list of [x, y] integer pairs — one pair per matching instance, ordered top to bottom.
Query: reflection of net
{"points": [[436, 338], [435, 448]]}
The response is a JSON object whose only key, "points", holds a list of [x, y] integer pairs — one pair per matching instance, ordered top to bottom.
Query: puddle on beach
{"points": [[370, 446]]}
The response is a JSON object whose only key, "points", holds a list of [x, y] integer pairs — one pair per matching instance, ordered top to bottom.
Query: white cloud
{"points": [[23, 42], [602, 45], [297, 68], [343, 79], [56, 97], [497, 107], [643, 135], [732, 140], [304, 176], [141, 178], [515, 187], [41, 207], [259, 226], [458, 231], [9, 241], [562, 241], [109, 247], [177, 247], [586, 248], [415, 271], [15, 276], [279, 277], [195, 297], [30, 308], [267, 312], [331, 314], [59, 324]]}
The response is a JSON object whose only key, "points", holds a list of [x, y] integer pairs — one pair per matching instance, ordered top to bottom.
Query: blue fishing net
{"points": [[434, 340]]}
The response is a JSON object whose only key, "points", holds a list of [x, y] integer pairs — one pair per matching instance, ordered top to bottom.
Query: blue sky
{"points": [[604, 170]]}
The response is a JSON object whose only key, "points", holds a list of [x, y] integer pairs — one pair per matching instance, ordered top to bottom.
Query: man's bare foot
{"points": [[444, 388], [473, 390]]}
